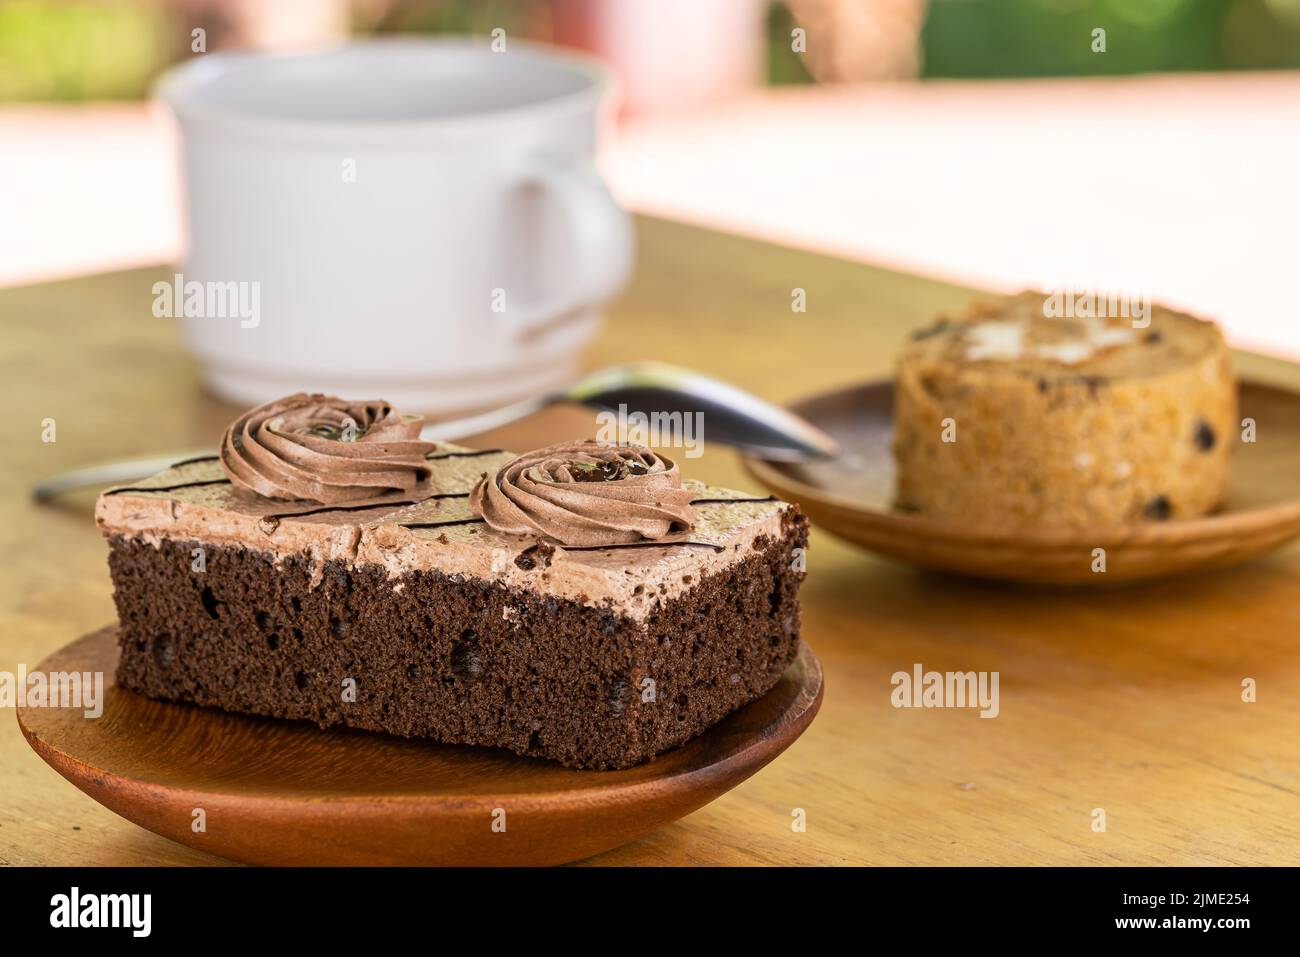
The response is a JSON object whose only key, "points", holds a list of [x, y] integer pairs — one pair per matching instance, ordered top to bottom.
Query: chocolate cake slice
{"points": [[407, 612]]}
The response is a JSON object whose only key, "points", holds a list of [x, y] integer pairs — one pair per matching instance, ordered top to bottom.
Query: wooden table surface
{"points": [[1127, 700]]}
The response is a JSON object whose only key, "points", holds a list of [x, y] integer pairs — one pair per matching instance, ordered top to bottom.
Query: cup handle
{"points": [[601, 239]]}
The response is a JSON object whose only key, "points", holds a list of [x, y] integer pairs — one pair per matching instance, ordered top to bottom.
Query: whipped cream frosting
{"points": [[1069, 343], [320, 448], [585, 494], [193, 501]]}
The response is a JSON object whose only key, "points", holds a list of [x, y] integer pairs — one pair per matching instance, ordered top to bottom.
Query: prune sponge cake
{"points": [[1063, 422], [582, 604]]}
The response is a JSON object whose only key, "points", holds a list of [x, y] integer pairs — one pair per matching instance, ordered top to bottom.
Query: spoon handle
{"points": [[735, 418], [109, 473]]}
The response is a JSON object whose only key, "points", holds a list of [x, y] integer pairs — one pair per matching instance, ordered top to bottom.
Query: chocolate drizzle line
{"points": [[463, 455], [197, 458], [166, 488], [713, 501], [364, 505], [276, 516], [458, 521], [567, 548], [599, 548]]}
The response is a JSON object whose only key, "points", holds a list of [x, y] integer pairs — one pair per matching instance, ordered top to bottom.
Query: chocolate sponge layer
{"points": [[462, 661]]}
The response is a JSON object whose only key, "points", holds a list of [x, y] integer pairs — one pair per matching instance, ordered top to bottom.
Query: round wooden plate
{"points": [[852, 497], [287, 792]]}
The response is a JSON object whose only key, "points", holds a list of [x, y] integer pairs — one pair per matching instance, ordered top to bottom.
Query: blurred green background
{"points": [[74, 50]]}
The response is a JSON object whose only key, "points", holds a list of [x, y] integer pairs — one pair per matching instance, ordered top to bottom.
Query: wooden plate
{"points": [[852, 497], [287, 792]]}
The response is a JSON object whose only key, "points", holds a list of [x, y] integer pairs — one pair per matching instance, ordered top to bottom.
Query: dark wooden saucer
{"points": [[852, 496], [286, 792]]}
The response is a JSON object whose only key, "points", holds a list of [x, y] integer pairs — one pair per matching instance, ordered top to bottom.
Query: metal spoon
{"points": [[727, 415]]}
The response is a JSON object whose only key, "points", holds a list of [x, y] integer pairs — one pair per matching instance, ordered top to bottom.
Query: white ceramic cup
{"points": [[416, 220]]}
